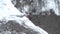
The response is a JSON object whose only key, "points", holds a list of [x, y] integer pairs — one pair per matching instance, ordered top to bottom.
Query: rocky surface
{"points": [[49, 23], [12, 27]]}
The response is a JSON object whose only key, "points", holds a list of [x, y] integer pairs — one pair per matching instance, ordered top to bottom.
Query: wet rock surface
{"points": [[49, 23]]}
